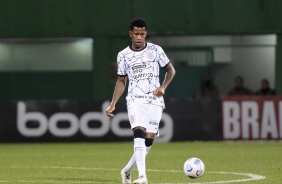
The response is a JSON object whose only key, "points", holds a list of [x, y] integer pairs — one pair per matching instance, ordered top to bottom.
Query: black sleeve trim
{"points": [[166, 65], [122, 75]]}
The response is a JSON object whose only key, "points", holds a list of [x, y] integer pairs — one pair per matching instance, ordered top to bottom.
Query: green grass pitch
{"points": [[225, 162]]}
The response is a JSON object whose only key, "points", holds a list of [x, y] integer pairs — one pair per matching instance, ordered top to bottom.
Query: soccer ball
{"points": [[194, 168]]}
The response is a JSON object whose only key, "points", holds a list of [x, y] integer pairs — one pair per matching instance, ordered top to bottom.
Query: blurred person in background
{"points": [[140, 63], [239, 88], [265, 88], [208, 89]]}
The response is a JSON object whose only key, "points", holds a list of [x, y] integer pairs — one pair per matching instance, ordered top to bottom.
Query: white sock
{"points": [[147, 149], [140, 155], [132, 162]]}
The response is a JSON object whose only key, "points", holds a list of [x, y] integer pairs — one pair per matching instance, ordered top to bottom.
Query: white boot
{"points": [[125, 177], [141, 180]]}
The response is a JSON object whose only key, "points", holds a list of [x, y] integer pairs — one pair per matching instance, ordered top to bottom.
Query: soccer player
{"points": [[140, 63]]}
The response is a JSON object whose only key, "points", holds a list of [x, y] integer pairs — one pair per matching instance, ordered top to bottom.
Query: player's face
{"points": [[138, 36]]}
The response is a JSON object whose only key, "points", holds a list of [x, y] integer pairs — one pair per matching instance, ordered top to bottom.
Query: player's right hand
{"points": [[109, 111]]}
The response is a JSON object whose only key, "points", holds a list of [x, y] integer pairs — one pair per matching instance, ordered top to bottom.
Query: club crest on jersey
{"points": [[150, 54]]}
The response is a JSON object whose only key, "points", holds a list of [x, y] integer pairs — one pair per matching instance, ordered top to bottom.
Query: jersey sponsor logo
{"points": [[138, 66], [137, 71], [143, 76], [145, 97]]}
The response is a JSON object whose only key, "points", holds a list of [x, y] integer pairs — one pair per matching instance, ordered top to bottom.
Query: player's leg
{"points": [[136, 113], [153, 117], [152, 127], [149, 141], [140, 153], [131, 163], [126, 172]]}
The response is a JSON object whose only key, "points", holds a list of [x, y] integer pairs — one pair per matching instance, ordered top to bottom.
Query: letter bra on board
{"points": [[254, 118], [82, 124]]}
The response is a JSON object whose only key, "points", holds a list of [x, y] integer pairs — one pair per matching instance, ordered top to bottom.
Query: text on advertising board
{"points": [[252, 118], [81, 124]]}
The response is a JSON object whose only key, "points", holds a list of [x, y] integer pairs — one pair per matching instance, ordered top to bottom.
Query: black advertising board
{"points": [[86, 121]]}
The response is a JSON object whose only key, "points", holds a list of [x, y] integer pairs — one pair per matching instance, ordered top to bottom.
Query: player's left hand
{"points": [[159, 91]]}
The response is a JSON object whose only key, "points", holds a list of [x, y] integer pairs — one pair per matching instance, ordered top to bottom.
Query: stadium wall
{"points": [[106, 21]]}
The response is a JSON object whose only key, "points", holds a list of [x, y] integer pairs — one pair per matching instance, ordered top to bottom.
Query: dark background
{"points": [[107, 21]]}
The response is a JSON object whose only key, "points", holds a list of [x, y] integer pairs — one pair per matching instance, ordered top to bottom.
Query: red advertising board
{"points": [[252, 117]]}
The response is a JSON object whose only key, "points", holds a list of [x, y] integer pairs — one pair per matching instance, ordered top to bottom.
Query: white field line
{"points": [[250, 175]]}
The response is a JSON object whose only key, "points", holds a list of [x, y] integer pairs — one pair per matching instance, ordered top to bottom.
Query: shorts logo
{"points": [[132, 119], [153, 122]]}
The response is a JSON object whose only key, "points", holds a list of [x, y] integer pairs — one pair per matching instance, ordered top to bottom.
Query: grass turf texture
{"points": [[102, 162]]}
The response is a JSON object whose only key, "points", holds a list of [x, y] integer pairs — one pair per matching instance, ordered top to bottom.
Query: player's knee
{"points": [[139, 133], [149, 142]]}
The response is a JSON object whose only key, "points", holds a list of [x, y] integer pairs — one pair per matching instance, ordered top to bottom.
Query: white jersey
{"points": [[142, 69]]}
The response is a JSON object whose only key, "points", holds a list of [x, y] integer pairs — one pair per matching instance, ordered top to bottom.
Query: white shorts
{"points": [[144, 115]]}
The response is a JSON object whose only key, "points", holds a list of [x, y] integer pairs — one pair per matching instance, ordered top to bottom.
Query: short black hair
{"points": [[138, 23]]}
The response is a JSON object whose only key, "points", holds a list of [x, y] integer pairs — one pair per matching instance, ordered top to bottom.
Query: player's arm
{"points": [[170, 73], [119, 89]]}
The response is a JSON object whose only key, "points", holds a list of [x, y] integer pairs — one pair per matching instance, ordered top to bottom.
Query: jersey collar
{"points": [[138, 50]]}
